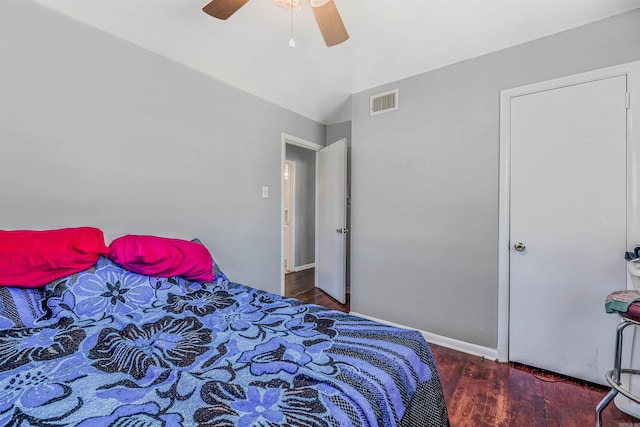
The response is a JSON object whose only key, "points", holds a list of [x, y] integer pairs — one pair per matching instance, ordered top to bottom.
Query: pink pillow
{"points": [[163, 257], [30, 259]]}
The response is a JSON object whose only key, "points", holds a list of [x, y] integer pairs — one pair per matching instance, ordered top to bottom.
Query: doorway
{"points": [[320, 190], [568, 211], [298, 215]]}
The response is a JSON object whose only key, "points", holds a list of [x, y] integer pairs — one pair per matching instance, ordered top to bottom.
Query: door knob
{"points": [[519, 246]]}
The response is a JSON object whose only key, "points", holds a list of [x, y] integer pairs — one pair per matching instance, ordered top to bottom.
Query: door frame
{"points": [[632, 71], [291, 140], [292, 214]]}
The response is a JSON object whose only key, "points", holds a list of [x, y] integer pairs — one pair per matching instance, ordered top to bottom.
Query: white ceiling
{"points": [[390, 40]]}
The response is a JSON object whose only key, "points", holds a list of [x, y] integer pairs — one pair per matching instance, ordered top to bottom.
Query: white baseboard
{"points": [[304, 267], [463, 346]]}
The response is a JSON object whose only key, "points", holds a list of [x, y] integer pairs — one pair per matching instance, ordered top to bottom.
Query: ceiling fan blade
{"points": [[223, 9], [330, 23]]}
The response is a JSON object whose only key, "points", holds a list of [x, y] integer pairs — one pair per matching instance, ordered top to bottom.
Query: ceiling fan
{"points": [[325, 11]]}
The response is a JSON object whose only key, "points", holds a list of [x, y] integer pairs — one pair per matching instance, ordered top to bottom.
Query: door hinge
{"points": [[627, 100]]}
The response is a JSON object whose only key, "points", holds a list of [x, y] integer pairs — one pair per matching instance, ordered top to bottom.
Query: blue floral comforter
{"points": [[118, 348]]}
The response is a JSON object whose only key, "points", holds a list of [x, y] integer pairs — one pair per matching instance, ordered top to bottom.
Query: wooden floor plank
{"points": [[299, 282], [300, 285], [515, 397]]}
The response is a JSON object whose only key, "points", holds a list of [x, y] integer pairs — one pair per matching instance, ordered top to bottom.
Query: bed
{"points": [[110, 346]]}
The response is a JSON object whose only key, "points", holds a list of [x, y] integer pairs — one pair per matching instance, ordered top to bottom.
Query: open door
{"points": [[331, 219]]}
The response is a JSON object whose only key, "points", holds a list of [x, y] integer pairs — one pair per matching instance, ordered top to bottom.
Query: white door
{"points": [[569, 212], [331, 217]]}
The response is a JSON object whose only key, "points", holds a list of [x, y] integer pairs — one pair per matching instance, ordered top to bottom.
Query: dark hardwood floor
{"points": [[298, 282], [300, 285], [319, 297], [481, 392], [485, 393]]}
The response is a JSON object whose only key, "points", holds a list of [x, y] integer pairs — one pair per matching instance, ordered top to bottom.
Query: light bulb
{"points": [[292, 42]]}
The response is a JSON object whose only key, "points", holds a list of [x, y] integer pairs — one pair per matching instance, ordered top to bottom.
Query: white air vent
{"points": [[383, 102]]}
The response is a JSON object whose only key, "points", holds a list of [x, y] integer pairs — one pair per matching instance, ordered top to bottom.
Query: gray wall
{"points": [[96, 131], [337, 131], [425, 181], [305, 200]]}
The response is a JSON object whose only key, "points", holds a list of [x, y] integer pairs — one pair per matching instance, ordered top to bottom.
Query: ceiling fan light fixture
{"points": [[318, 3], [288, 4], [325, 11]]}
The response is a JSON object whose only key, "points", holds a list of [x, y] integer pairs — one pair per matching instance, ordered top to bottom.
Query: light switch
{"points": [[265, 192]]}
